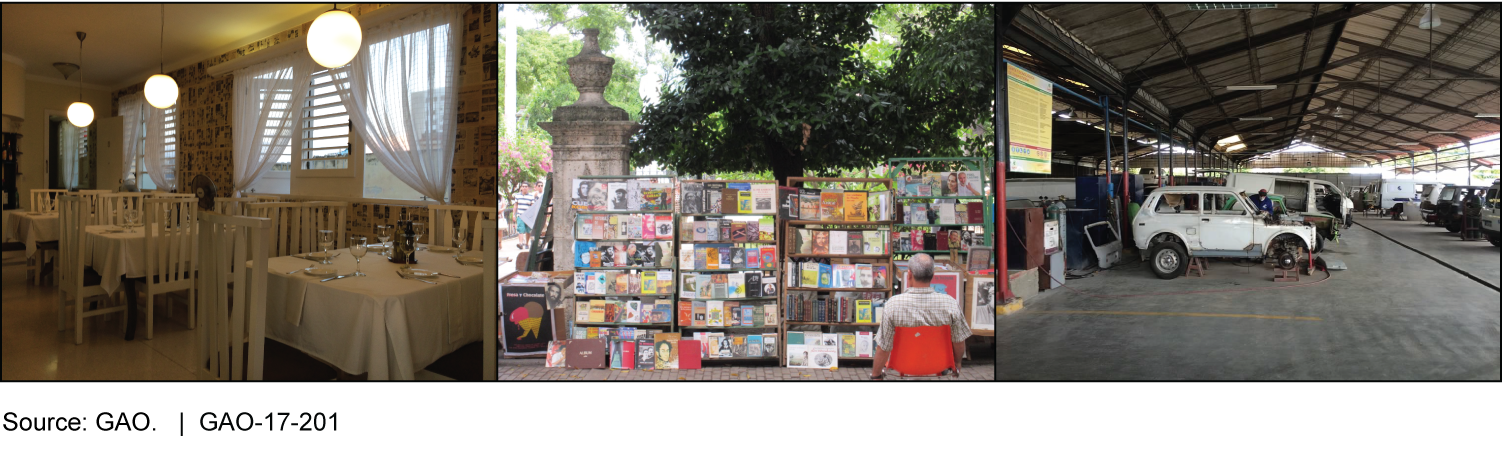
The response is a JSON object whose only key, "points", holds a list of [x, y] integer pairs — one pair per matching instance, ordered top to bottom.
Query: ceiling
{"points": [[122, 46], [1399, 83]]}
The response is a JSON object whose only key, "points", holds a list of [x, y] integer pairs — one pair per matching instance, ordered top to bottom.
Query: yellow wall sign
{"points": [[1030, 123]]}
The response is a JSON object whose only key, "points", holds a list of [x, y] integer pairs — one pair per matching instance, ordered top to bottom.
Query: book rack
{"points": [[901, 168], [696, 216], [790, 281], [647, 300]]}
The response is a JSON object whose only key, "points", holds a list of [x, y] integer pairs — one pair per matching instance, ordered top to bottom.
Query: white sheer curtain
{"points": [[400, 91], [267, 98], [130, 109], [67, 149], [159, 165]]}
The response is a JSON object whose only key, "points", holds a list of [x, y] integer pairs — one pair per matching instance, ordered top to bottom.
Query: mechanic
{"points": [[1262, 201]]}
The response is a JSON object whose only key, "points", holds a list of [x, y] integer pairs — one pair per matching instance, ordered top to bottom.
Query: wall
{"points": [[12, 89], [40, 97], [206, 129]]}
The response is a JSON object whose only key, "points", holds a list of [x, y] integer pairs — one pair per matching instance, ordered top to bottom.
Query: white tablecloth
{"points": [[31, 229], [115, 254], [379, 324]]}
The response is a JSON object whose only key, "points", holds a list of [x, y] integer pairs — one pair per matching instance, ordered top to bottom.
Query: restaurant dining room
{"points": [[249, 192]]}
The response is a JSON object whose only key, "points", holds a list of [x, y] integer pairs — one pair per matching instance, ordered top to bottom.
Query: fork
{"points": [[310, 266], [404, 277]]}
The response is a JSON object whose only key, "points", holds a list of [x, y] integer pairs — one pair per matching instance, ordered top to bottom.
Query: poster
{"points": [[1030, 103], [526, 320]]}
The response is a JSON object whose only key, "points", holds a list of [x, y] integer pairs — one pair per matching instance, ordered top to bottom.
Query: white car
{"points": [[1182, 222]]}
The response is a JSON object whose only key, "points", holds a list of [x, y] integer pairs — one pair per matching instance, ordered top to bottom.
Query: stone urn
{"points": [[590, 72]]}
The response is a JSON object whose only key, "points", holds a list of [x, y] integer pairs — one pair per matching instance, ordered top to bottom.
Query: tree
{"points": [[789, 88], [527, 159]]}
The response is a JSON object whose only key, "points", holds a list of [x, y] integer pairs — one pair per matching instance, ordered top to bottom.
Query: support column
{"points": [[589, 137]]}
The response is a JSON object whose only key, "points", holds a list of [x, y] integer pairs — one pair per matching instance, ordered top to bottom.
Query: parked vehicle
{"points": [[1393, 192], [1301, 195], [1429, 196], [1449, 209], [1490, 215], [1183, 222]]}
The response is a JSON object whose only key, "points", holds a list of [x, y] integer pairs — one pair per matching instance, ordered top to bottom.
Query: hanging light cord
{"points": [[162, 42], [80, 66]]}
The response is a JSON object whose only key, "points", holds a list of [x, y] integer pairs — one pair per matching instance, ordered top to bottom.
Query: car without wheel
{"points": [[1186, 222]]}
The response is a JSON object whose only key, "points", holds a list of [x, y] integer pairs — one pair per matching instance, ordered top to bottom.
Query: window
{"points": [[325, 143], [138, 162], [276, 179], [1178, 204], [1224, 205]]}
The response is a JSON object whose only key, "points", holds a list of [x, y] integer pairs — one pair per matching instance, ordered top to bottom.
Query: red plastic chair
{"points": [[922, 351]]}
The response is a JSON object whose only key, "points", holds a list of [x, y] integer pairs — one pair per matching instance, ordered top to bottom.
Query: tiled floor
{"points": [[33, 349], [533, 370]]}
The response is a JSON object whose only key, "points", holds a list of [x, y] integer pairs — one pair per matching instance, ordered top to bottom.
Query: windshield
{"points": [[1448, 194]]}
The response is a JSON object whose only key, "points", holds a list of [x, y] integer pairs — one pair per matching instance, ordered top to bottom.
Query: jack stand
{"points": [[1199, 266], [1286, 275]]}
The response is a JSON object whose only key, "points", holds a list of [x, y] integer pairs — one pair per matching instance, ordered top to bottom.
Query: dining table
{"points": [[30, 228], [118, 255], [382, 324]]}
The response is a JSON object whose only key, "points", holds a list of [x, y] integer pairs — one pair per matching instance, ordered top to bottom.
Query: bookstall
{"points": [[943, 208], [624, 258], [728, 267], [837, 269]]}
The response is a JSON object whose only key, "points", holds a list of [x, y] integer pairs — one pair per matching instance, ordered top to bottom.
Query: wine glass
{"points": [[132, 218], [417, 232], [383, 233], [459, 241], [326, 242], [409, 246], [357, 250]]}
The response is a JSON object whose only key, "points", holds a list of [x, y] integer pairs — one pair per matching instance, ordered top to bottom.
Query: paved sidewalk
{"points": [[532, 370]]}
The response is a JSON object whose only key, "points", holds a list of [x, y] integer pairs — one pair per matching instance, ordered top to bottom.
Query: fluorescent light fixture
{"points": [[1256, 87], [1486, 115], [1254, 119], [1441, 132], [1262, 134], [1406, 143]]}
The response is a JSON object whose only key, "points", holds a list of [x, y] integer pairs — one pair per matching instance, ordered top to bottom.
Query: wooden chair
{"points": [[164, 194], [265, 198], [45, 200], [114, 204], [91, 205], [324, 216], [286, 221], [447, 221], [170, 254], [76, 281], [490, 301], [231, 338], [922, 351]]}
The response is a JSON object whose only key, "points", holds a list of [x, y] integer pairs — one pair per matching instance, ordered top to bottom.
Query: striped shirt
{"points": [[522, 201], [921, 307]]}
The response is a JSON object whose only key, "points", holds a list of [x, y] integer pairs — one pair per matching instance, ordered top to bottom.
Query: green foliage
{"points": [[543, 74], [793, 89], [527, 159]]}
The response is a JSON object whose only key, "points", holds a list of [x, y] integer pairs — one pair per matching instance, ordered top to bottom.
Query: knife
{"points": [[404, 277], [335, 278]]}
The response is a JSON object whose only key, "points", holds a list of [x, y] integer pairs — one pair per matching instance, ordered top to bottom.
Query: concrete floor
{"points": [[1478, 258], [1394, 315]]}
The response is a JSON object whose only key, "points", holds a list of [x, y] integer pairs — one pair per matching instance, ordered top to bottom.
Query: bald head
{"points": [[922, 268]]}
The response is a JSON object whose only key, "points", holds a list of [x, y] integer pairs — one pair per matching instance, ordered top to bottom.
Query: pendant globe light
{"points": [[334, 38], [161, 89], [80, 114]]}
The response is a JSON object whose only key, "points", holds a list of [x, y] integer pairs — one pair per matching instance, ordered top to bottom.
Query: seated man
{"points": [[1262, 201], [919, 306]]}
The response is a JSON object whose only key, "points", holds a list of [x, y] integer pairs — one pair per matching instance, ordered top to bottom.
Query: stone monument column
{"points": [[589, 138]]}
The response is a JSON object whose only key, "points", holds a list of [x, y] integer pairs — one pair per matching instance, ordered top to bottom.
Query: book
{"points": [[970, 183], [711, 192], [657, 197], [763, 197], [693, 198], [728, 200], [788, 202], [744, 203], [808, 204], [830, 204], [855, 206], [879, 206], [977, 214], [664, 226], [647, 227], [701, 231], [765, 232], [739, 233], [839, 240], [821, 242], [805, 243], [873, 243], [583, 254], [769, 256], [712, 258], [753, 258], [810, 274], [826, 276], [845, 276], [864, 276], [649, 282], [752, 282], [705, 284], [719, 285], [736, 285], [769, 286], [688, 287], [877, 306], [582, 311], [597, 311], [613, 311], [662, 311], [820, 311], [864, 311], [633, 312], [685, 313], [715, 313], [699, 314], [732, 314], [747, 314], [770, 315], [795, 338], [864, 344], [770, 345], [712, 346], [738, 346], [754, 346], [847, 346], [724, 350], [556, 354], [586, 354], [628, 354], [644, 354], [667, 354], [689, 354], [798, 355], [822, 357]]}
